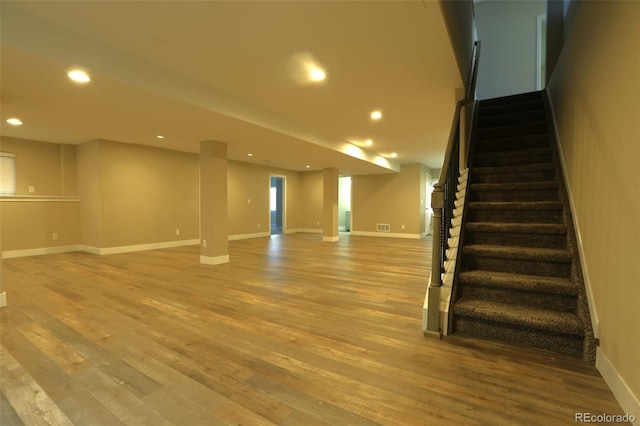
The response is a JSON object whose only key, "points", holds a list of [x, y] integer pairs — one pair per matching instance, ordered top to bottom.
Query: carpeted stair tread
{"points": [[497, 110], [511, 118], [510, 130], [512, 143], [529, 152], [525, 168], [514, 186], [515, 205], [523, 228], [519, 253], [520, 282], [558, 322]]}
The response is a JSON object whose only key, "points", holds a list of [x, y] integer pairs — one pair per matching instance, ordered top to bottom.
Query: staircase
{"points": [[518, 277]]}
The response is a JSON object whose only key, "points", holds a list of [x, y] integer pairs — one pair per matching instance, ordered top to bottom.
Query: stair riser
{"points": [[510, 118], [512, 131], [506, 145], [511, 160], [525, 195], [515, 216], [553, 241], [517, 266], [549, 301], [562, 343]]}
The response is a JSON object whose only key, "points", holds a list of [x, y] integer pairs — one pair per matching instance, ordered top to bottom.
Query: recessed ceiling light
{"points": [[317, 74], [79, 76], [376, 115], [14, 121], [160, 137], [368, 142], [250, 154], [394, 154], [308, 166]]}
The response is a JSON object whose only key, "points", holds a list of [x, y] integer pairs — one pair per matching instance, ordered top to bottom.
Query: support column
{"points": [[330, 206], [214, 228], [3, 295]]}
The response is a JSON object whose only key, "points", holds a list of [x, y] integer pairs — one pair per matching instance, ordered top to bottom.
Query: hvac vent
{"points": [[383, 227]]}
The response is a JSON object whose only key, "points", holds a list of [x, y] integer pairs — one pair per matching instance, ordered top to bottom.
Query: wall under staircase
{"points": [[518, 277]]}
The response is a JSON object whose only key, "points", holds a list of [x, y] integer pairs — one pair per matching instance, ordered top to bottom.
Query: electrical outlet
{"points": [[32, 189], [248, 200], [318, 223], [258, 226], [402, 226], [177, 232], [54, 236], [204, 243]]}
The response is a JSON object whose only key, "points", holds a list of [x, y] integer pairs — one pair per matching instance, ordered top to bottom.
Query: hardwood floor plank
{"points": [[292, 331], [28, 399], [8, 415]]}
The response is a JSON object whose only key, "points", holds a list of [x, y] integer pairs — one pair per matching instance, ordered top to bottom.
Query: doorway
{"points": [[344, 203], [276, 204]]}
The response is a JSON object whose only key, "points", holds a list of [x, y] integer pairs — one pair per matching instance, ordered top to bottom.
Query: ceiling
{"points": [[234, 72]]}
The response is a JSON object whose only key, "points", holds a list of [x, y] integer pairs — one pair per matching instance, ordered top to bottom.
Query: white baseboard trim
{"points": [[303, 230], [387, 234], [247, 236], [330, 239], [150, 246], [10, 254], [217, 260], [3, 299], [593, 309], [629, 402]]}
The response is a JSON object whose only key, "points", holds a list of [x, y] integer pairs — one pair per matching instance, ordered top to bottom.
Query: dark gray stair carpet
{"points": [[515, 278]]}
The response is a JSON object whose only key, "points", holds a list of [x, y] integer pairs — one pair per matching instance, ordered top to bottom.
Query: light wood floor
{"points": [[293, 331]]}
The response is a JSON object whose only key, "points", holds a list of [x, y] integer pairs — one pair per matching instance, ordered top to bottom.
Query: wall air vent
{"points": [[383, 227]]}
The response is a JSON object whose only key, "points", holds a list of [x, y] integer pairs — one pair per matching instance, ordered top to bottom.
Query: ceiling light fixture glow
{"points": [[317, 74], [79, 76], [376, 115], [14, 121], [160, 137], [368, 142], [250, 154], [394, 154], [308, 166]]}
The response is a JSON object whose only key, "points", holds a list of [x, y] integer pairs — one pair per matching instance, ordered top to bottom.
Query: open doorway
{"points": [[344, 203], [276, 204]]}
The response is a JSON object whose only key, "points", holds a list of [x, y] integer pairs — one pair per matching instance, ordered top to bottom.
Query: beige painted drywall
{"points": [[459, 18], [507, 30], [595, 90], [50, 169], [251, 182], [89, 190], [146, 194], [395, 199], [311, 202], [30, 225]]}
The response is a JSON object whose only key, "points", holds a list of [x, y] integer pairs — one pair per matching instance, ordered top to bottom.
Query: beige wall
{"points": [[458, 17], [507, 30], [595, 90], [50, 169], [251, 182], [311, 191], [133, 194], [396, 199]]}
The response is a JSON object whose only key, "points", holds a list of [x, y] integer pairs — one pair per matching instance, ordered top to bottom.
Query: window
{"points": [[7, 173]]}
